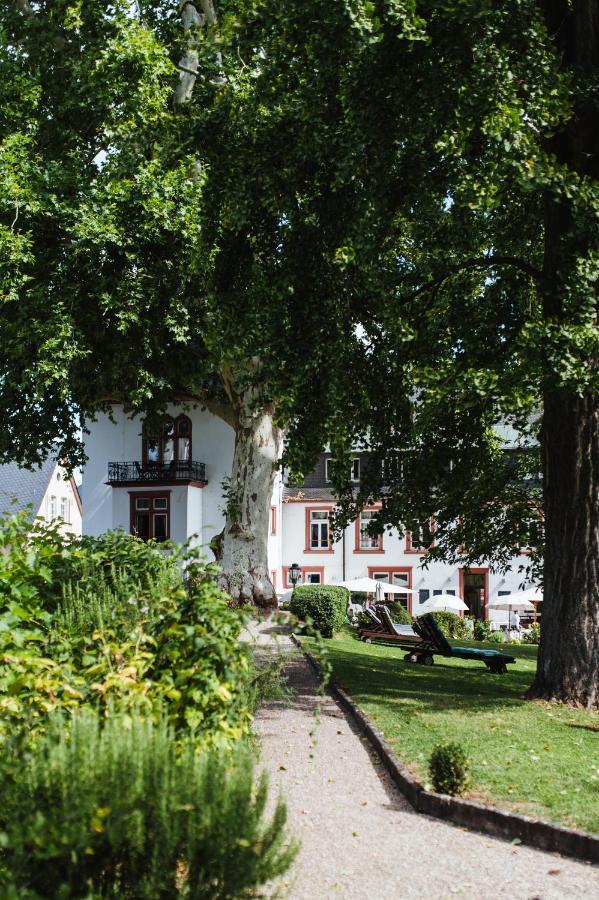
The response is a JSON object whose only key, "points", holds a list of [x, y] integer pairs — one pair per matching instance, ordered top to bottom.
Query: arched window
{"points": [[183, 438], [171, 443], [158, 445]]}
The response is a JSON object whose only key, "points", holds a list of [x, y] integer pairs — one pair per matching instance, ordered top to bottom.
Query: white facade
{"points": [[62, 503], [194, 511], [393, 560]]}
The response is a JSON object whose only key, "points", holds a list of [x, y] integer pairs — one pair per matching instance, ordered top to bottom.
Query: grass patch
{"points": [[536, 758]]}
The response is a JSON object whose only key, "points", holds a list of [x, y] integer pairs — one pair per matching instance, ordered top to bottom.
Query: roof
{"points": [[25, 486], [298, 493]]}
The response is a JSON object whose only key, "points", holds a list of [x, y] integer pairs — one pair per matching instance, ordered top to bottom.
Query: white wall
{"points": [[60, 488], [193, 510], [438, 576]]}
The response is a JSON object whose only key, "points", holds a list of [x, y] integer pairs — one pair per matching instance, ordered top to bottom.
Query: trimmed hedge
{"points": [[324, 604]]}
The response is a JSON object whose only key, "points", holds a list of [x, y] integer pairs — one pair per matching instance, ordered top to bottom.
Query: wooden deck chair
{"points": [[428, 627], [387, 631]]}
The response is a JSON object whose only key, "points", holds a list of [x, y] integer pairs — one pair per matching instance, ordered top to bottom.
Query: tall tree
{"points": [[145, 200], [471, 254]]}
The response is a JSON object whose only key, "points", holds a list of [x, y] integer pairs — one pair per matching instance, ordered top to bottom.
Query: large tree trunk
{"points": [[241, 548], [568, 666]]}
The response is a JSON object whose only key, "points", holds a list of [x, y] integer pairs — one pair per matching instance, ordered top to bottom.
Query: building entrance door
{"points": [[475, 593]]}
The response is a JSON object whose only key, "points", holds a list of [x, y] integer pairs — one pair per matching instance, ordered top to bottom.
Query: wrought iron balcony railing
{"points": [[152, 473]]}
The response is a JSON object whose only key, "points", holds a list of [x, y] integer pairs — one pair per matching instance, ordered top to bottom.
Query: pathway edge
{"points": [[488, 819]]}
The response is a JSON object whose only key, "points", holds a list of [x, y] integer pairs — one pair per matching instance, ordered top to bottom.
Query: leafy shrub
{"points": [[324, 604], [399, 614], [452, 625], [482, 630], [139, 633], [533, 635], [496, 637], [449, 769], [121, 810]]}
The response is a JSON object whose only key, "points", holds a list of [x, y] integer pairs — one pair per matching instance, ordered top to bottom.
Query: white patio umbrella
{"points": [[517, 602], [443, 603]]}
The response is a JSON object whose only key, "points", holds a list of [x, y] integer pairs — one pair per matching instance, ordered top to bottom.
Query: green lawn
{"points": [[535, 758]]}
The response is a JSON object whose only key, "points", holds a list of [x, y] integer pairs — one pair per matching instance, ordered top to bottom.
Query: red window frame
{"points": [[151, 496], [308, 511], [358, 549], [417, 550], [390, 571], [475, 571]]}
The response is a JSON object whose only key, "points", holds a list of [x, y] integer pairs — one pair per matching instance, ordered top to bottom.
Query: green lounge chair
{"points": [[427, 627]]}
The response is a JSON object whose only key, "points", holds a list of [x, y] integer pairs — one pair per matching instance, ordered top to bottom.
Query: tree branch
{"points": [[25, 7], [484, 262]]}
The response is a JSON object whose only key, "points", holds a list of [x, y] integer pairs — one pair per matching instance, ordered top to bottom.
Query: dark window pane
{"points": [[153, 450], [142, 503], [160, 503], [142, 525], [160, 530], [324, 535], [314, 536]]}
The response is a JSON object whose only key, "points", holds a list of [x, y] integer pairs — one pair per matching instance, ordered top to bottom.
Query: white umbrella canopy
{"points": [[370, 585], [530, 595], [515, 601], [443, 603]]}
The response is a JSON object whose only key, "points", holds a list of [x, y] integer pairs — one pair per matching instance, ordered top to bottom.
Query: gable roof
{"points": [[26, 486]]}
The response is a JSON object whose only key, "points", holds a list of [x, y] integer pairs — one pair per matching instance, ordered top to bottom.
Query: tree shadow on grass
{"points": [[435, 688]]}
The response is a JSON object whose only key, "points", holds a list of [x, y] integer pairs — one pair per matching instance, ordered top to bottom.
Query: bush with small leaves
{"points": [[324, 604], [399, 614], [452, 625], [482, 630], [533, 635], [496, 637], [449, 769]]}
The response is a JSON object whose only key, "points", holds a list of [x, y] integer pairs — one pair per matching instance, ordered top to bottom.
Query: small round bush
{"points": [[482, 630], [533, 635], [496, 637], [449, 769]]}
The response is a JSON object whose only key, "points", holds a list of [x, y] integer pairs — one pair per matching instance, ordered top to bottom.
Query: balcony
{"points": [[124, 474]]}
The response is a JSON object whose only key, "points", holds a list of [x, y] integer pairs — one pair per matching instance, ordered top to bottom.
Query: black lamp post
{"points": [[295, 573]]}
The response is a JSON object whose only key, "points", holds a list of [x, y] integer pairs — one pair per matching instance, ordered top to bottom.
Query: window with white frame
{"points": [[354, 471], [52, 507], [65, 510], [150, 517], [319, 529], [422, 536], [368, 541], [313, 578], [401, 579]]}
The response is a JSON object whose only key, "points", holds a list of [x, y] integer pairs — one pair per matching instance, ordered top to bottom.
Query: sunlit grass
{"points": [[536, 758]]}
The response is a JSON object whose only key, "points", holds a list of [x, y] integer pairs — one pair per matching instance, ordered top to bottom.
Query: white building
{"points": [[171, 487], [46, 492]]}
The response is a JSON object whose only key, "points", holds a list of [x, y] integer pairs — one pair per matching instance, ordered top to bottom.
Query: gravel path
{"points": [[360, 838]]}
